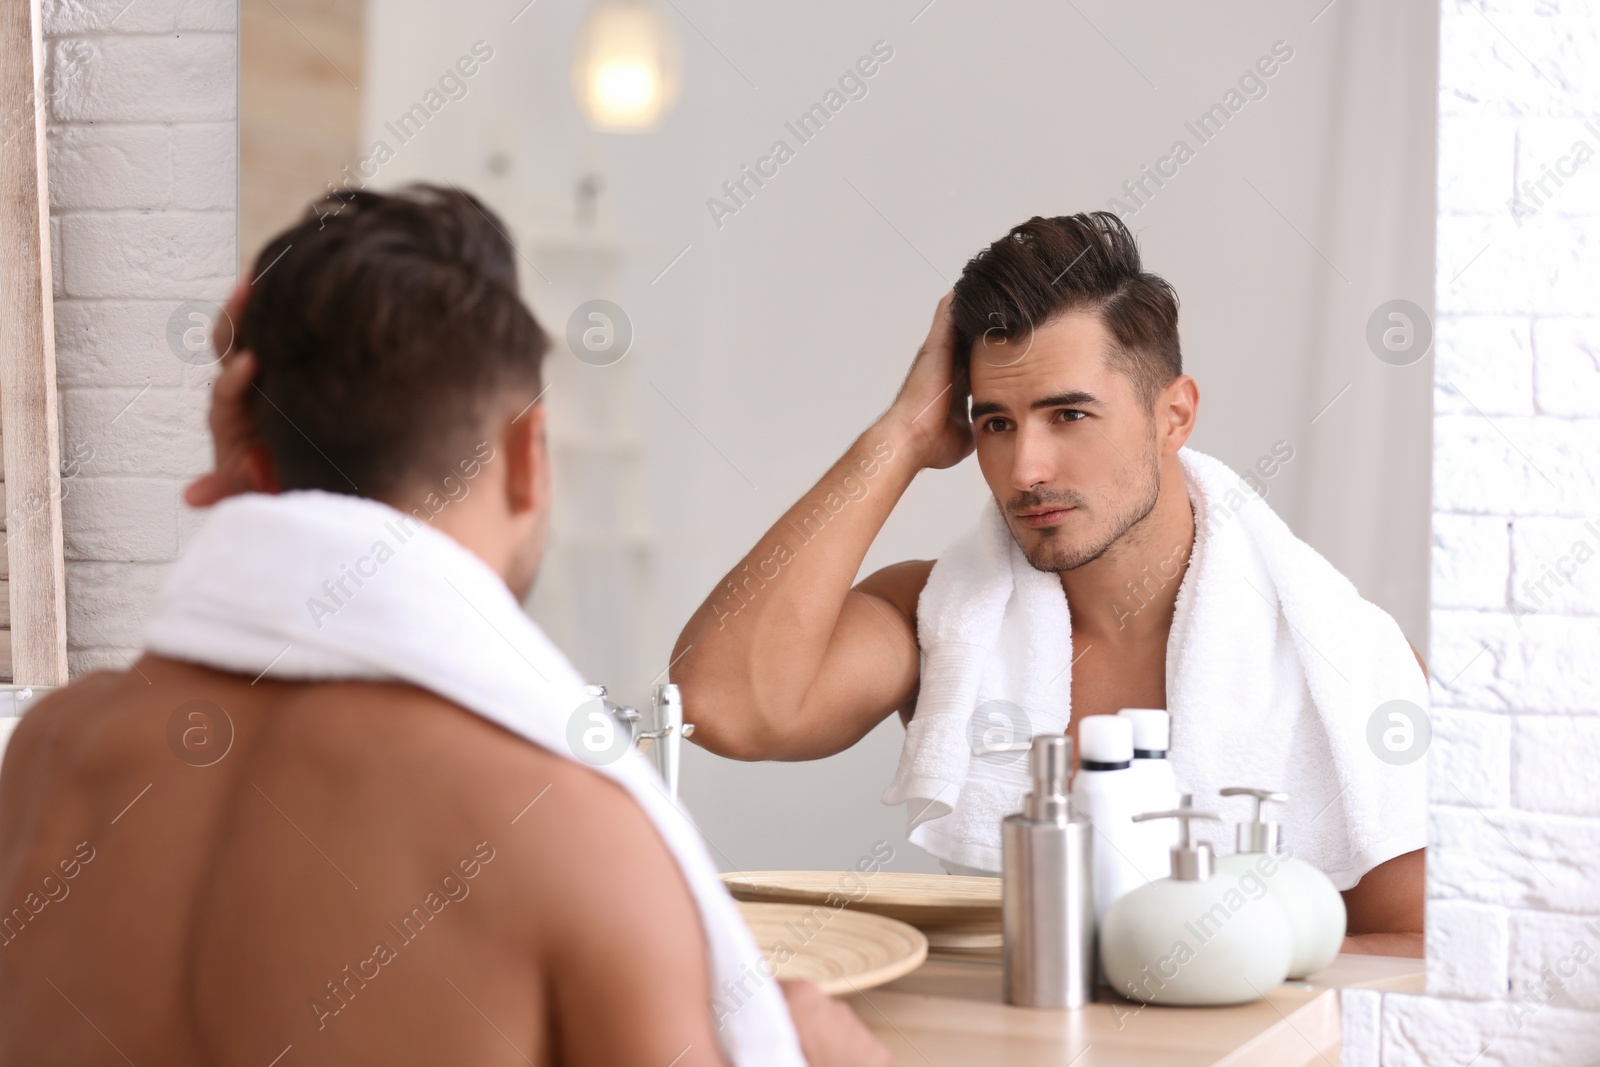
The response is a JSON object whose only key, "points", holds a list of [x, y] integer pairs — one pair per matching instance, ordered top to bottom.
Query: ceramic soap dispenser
{"points": [[1313, 906], [1193, 939]]}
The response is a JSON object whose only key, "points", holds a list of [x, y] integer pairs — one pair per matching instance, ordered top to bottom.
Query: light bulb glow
{"points": [[625, 66], [626, 92]]}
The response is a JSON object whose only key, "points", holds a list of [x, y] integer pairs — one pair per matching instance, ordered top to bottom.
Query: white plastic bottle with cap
{"points": [[1157, 786], [1105, 791]]}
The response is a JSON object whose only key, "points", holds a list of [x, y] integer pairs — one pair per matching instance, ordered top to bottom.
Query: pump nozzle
{"points": [[1050, 761], [1261, 835], [1190, 862]]}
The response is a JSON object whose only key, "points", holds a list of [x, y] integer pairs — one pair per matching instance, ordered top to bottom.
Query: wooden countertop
{"points": [[950, 1013]]}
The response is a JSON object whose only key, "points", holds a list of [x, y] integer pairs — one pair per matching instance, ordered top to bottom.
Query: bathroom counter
{"points": [[950, 1013]]}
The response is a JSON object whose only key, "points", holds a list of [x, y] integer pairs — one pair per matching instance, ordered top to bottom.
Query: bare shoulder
{"points": [[900, 584], [57, 712], [54, 728], [586, 844], [610, 901], [615, 912]]}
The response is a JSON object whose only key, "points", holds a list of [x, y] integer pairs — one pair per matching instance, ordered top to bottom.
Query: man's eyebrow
{"points": [[1076, 398]]}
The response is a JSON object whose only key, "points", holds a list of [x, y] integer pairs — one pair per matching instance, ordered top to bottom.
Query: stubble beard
{"points": [[1049, 553]]}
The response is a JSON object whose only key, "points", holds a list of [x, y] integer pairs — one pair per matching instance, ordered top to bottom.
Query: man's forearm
{"points": [[752, 650]]}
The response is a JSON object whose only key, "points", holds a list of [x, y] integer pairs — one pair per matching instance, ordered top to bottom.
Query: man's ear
{"points": [[1176, 410], [527, 460]]}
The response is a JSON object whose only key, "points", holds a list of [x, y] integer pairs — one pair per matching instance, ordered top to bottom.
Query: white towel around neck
{"points": [[432, 614], [1274, 667]]}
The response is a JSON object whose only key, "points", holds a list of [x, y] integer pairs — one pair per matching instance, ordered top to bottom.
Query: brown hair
{"points": [[1045, 268], [386, 328]]}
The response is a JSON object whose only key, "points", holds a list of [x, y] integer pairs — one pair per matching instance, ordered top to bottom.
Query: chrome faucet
{"points": [[664, 740]]}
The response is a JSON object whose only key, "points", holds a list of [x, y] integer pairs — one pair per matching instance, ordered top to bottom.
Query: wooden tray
{"points": [[926, 901], [982, 939], [843, 951]]}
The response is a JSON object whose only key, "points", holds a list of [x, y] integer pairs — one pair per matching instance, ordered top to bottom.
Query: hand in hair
{"points": [[932, 403], [241, 463], [811, 663]]}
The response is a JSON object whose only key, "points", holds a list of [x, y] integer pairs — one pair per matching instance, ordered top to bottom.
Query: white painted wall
{"points": [[1514, 864]]}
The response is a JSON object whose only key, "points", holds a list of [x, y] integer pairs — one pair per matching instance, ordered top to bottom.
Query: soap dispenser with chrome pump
{"points": [[1047, 889], [1313, 906], [1193, 939]]}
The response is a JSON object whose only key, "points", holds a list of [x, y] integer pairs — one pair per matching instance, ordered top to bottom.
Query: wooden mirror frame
{"points": [[28, 417]]}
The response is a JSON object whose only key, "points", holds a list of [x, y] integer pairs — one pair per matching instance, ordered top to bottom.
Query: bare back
{"points": [[362, 872]]}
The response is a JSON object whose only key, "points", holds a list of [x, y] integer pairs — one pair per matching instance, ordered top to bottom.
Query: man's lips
{"points": [[1045, 517]]}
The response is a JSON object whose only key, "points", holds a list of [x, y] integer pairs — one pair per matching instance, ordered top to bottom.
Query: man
{"points": [[1079, 411], [312, 856]]}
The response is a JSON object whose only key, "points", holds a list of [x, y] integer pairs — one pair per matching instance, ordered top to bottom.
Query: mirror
{"points": [[1276, 165]]}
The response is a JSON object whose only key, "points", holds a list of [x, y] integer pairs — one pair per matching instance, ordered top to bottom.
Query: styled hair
{"points": [[1046, 268], [386, 328]]}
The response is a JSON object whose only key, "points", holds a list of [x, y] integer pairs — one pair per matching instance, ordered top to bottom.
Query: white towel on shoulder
{"points": [[423, 609], [1275, 665]]}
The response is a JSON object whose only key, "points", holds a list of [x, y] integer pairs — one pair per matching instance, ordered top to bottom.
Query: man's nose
{"points": [[1033, 462]]}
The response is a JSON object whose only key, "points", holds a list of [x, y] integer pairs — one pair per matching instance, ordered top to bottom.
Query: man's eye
{"points": [[1072, 415], [996, 425]]}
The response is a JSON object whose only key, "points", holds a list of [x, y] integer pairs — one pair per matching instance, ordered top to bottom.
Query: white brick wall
{"points": [[143, 167], [1514, 861]]}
